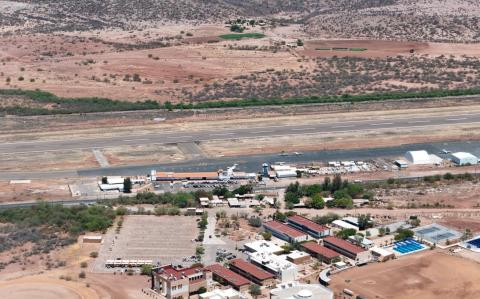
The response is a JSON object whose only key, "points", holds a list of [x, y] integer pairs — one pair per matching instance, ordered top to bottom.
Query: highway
{"points": [[218, 133]]}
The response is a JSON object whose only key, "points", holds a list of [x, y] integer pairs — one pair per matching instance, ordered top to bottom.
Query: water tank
{"points": [[304, 294]]}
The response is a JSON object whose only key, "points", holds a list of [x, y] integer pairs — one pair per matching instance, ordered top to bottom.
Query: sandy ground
{"points": [[89, 64], [34, 190], [425, 275], [37, 281]]}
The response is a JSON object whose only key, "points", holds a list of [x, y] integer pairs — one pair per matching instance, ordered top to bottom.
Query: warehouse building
{"points": [[418, 157], [462, 158], [304, 224], [285, 232], [320, 252], [360, 255], [284, 270], [252, 272], [224, 275], [173, 283]]}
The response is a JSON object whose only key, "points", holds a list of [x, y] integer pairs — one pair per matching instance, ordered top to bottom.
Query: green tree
{"points": [[336, 183], [327, 184], [127, 185], [291, 197], [317, 202], [326, 219], [255, 221], [364, 222], [345, 233], [403, 234], [267, 236], [199, 250], [146, 270], [254, 290]]}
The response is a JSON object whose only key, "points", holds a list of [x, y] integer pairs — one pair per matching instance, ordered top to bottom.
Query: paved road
{"points": [[219, 133]]}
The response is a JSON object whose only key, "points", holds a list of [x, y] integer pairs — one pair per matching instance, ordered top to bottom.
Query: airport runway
{"points": [[218, 133], [251, 163]]}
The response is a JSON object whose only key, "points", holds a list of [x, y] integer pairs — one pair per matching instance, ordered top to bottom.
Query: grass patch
{"points": [[237, 36], [342, 49], [358, 49]]}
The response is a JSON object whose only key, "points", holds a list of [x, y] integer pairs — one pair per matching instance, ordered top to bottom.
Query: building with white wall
{"points": [[462, 158], [284, 270], [301, 291]]}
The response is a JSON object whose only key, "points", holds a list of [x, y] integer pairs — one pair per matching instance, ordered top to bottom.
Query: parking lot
{"points": [[164, 240]]}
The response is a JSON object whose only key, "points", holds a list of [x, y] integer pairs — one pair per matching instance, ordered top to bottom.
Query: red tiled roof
{"points": [[308, 223], [285, 229], [344, 245], [319, 249], [251, 269], [178, 273], [228, 275]]}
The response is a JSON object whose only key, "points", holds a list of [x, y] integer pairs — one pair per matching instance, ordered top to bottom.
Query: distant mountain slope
{"points": [[439, 20]]}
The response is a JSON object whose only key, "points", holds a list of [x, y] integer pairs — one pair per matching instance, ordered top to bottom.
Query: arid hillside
{"points": [[428, 20], [184, 51]]}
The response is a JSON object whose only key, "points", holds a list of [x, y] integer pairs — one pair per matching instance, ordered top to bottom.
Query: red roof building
{"points": [[314, 229], [285, 232], [320, 252], [360, 255], [252, 272], [221, 273], [172, 282]]}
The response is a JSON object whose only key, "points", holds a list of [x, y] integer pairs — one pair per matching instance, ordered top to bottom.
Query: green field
{"points": [[237, 36]]}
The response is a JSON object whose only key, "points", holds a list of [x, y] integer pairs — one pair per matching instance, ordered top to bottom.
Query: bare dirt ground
{"points": [[94, 65], [143, 154], [57, 160], [34, 190], [426, 275], [39, 281]]}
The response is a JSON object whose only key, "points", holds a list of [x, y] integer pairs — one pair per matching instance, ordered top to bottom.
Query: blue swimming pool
{"points": [[474, 243], [408, 246]]}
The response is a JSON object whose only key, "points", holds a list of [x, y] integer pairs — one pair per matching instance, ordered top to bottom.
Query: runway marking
{"points": [[454, 119], [418, 121], [381, 124], [347, 126], [303, 129], [263, 131], [222, 134], [143, 139]]}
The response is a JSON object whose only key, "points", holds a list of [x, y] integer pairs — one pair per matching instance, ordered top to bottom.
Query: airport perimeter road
{"points": [[219, 133]]}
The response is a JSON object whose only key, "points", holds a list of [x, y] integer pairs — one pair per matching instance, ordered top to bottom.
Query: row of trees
{"points": [[88, 105], [341, 190]]}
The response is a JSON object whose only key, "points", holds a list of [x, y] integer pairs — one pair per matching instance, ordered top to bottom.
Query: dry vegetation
{"points": [[171, 51]]}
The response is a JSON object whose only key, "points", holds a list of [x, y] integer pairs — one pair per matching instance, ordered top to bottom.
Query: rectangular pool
{"points": [[408, 246]]}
